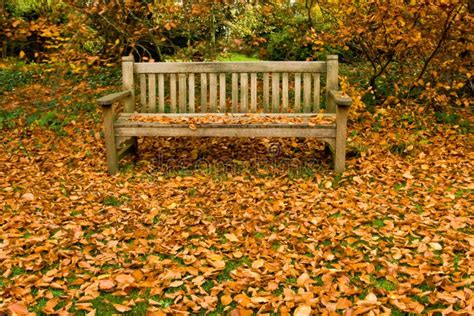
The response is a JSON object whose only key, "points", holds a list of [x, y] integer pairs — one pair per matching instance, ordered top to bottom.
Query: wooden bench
{"points": [[284, 99]]}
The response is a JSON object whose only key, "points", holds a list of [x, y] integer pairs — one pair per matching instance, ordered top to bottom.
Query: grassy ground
{"points": [[214, 226]]}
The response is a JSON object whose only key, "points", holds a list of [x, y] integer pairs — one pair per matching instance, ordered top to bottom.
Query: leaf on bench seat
{"points": [[246, 119]]}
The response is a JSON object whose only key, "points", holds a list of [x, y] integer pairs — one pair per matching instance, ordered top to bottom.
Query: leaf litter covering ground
{"points": [[236, 226]]}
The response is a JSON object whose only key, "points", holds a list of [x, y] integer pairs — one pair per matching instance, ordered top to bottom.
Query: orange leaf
{"points": [[125, 278], [176, 283], [106, 284], [226, 300], [18, 308], [122, 308], [303, 310]]}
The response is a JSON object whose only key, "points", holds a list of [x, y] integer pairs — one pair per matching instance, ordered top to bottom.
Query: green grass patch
{"points": [[236, 57], [13, 78], [8, 118]]}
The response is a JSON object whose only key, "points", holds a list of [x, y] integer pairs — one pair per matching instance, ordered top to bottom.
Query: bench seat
{"points": [[233, 125]]}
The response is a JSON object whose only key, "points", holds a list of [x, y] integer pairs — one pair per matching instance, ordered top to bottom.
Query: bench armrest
{"points": [[340, 99], [108, 100]]}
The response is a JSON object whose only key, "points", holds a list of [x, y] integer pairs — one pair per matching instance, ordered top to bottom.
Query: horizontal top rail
{"points": [[236, 67]]}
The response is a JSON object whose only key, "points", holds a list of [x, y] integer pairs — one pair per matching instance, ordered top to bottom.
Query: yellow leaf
{"points": [[22, 54], [231, 237], [436, 246]]}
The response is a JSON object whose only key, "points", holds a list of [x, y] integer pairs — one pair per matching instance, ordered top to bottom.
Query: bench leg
{"points": [[341, 134], [110, 146]]}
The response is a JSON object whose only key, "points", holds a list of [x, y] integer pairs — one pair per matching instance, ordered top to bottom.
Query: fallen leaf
{"points": [[231, 237], [258, 264], [125, 278], [106, 284], [226, 300], [18, 308], [122, 308], [302, 310]]}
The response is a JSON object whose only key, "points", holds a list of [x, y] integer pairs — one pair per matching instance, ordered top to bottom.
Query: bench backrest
{"points": [[235, 87]]}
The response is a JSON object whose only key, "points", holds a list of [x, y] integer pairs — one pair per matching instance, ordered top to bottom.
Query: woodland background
{"points": [[412, 51], [238, 226]]}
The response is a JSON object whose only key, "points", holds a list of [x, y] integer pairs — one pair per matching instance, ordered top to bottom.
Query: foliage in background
{"points": [[420, 49], [404, 51]]}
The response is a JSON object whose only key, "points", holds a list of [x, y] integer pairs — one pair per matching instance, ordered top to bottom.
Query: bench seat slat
{"points": [[230, 67], [126, 116], [226, 131]]}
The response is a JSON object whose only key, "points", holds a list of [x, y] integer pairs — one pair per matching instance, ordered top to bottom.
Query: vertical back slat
{"points": [[331, 81], [128, 83], [143, 92], [213, 92], [235, 92], [244, 92], [253, 92], [275, 92], [307, 92], [316, 92], [151, 93], [161, 93], [173, 93], [182, 93], [191, 93], [203, 93], [222, 93], [266, 93], [297, 93], [284, 99]]}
